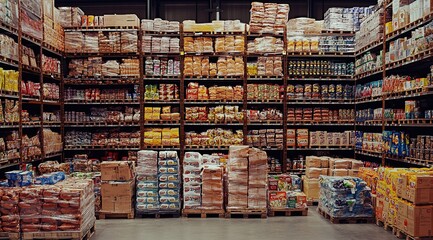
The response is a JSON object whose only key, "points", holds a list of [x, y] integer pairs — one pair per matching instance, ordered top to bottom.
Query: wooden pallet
{"points": [[313, 202], [288, 212], [203, 213], [247, 213], [158, 214], [109, 215], [345, 220], [388, 227], [86, 234], [403, 235], [11, 236]]}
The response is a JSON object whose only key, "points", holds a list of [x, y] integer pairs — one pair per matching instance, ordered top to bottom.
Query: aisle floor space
{"points": [[312, 227]]}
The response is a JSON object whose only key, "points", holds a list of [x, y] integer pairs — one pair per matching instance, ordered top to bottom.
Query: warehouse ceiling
{"points": [[199, 10]]}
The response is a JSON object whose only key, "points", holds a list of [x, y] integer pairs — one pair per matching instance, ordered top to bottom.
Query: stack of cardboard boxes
{"points": [[315, 166], [326, 166], [118, 187], [415, 204]]}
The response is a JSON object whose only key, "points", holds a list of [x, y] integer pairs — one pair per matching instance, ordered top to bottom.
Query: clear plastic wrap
{"points": [[129, 42], [212, 187], [345, 197]]}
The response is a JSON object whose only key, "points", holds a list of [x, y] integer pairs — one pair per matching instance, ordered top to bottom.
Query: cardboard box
{"points": [[124, 20], [117, 171], [423, 181], [117, 189], [311, 189], [420, 195], [117, 197], [277, 200], [298, 201], [117, 204], [414, 228]]}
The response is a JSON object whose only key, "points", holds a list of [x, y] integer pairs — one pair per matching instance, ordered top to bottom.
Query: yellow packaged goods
{"points": [[9, 80], [115, 171]]}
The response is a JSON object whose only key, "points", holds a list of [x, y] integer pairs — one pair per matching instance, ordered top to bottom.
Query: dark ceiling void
{"points": [[204, 10]]}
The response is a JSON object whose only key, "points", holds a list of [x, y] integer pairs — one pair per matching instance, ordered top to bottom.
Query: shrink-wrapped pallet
{"points": [[212, 187], [192, 188]]}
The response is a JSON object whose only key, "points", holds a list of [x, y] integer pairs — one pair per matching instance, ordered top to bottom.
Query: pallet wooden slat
{"points": [[288, 212], [203, 213], [246, 213], [158, 214], [108, 215], [345, 220], [85, 234], [403, 235], [11, 236]]}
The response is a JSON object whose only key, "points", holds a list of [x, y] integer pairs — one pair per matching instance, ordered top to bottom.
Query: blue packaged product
{"points": [[395, 140], [387, 141], [168, 162], [168, 169], [13, 175], [168, 177], [50, 178], [4, 183], [169, 184], [147, 185], [168, 192], [147, 193], [345, 197], [169, 199], [152, 200], [169, 206]]}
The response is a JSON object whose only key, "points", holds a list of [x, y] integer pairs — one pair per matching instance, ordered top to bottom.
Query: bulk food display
{"points": [[149, 117]]}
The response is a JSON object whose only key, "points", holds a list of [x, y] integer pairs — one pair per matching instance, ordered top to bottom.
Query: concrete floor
{"points": [[312, 227]]}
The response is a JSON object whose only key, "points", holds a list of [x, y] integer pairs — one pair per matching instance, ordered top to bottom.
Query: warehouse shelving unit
{"points": [[415, 65], [157, 80], [182, 81], [102, 82], [343, 103], [37, 104]]}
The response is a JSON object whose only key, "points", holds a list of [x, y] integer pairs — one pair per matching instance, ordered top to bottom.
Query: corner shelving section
{"points": [[416, 65]]}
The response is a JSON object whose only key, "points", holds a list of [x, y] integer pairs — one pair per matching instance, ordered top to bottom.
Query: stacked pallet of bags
{"points": [[247, 173], [257, 178], [192, 180], [168, 181], [147, 182], [203, 183], [212, 187], [345, 197], [68, 206]]}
